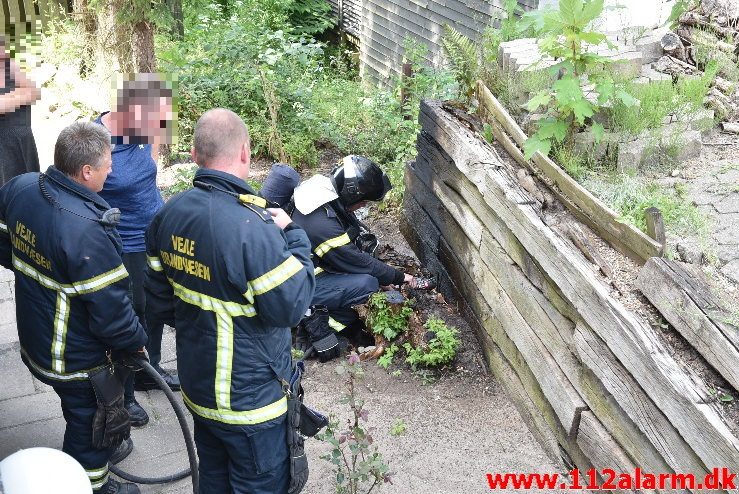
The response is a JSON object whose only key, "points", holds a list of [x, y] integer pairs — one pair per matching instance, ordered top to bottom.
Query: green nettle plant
{"points": [[566, 35], [384, 320], [441, 350], [359, 466]]}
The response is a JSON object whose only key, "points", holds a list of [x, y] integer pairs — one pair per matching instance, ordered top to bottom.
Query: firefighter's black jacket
{"points": [[332, 231], [232, 283], [71, 288]]}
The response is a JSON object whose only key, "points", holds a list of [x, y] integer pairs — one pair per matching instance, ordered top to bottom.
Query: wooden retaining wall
{"points": [[387, 23], [594, 382]]}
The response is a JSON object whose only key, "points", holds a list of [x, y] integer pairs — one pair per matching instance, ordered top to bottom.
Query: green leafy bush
{"points": [[384, 321], [441, 349], [387, 358]]}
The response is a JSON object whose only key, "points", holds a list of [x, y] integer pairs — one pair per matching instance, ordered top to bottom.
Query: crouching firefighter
{"points": [[347, 272], [232, 277], [72, 307]]}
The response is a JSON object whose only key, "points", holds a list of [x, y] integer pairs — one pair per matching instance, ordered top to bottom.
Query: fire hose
{"points": [[189, 442]]}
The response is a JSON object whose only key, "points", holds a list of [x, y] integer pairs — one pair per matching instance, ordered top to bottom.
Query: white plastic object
{"points": [[41, 471]]}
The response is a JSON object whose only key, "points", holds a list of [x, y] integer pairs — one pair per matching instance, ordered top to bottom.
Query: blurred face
{"points": [[3, 52], [150, 120], [94, 178]]}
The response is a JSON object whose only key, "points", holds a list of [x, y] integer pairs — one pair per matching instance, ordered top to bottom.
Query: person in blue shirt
{"points": [[143, 111]]}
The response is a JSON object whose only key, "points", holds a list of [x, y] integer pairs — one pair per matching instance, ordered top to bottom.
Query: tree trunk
{"points": [[87, 18], [178, 26], [143, 49]]}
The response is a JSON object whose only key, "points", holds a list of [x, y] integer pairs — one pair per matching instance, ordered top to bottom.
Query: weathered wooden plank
{"points": [[443, 166], [462, 200], [460, 219], [603, 220], [464, 289], [676, 291], [525, 295], [554, 382], [676, 391], [530, 413], [660, 443], [603, 451]]}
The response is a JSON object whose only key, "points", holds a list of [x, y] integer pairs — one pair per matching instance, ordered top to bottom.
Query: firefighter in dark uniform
{"points": [[347, 272], [232, 277], [71, 289]]}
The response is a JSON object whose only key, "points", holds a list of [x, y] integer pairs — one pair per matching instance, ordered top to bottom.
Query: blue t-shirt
{"points": [[132, 188]]}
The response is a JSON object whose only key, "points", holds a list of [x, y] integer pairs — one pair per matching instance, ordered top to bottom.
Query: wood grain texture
{"points": [[686, 299], [676, 391]]}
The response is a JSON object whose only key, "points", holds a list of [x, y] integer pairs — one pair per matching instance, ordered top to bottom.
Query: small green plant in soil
{"points": [[566, 35], [659, 99], [386, 321], [441, 349], [387, 358], [398, 428], [358, 464]]}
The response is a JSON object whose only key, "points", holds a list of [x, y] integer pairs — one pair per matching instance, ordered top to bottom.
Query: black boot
{"points": [[321, 335], [144, 382], [139, 417], [122, 451], [115, 487]]}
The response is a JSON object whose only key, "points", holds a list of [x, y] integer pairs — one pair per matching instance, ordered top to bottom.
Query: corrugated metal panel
{"points": [[387, 23]]}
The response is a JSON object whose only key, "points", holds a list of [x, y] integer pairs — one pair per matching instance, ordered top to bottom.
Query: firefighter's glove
{"points": [[321, 336], [132, 361], [111, 424]]}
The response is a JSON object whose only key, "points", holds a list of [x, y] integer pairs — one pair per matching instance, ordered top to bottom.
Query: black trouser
{"points": [[135, 264], [339, 292], [79, 406], [242, 459]]}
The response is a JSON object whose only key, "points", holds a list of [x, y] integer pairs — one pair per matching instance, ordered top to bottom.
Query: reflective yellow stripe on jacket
{"points": [[331, 243], [154, 263], [276, 277], [61, 312], [224, 312], [72, 376], [248, 417]]}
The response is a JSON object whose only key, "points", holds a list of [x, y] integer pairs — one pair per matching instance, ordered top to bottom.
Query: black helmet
{"points": [[358, 179]]}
